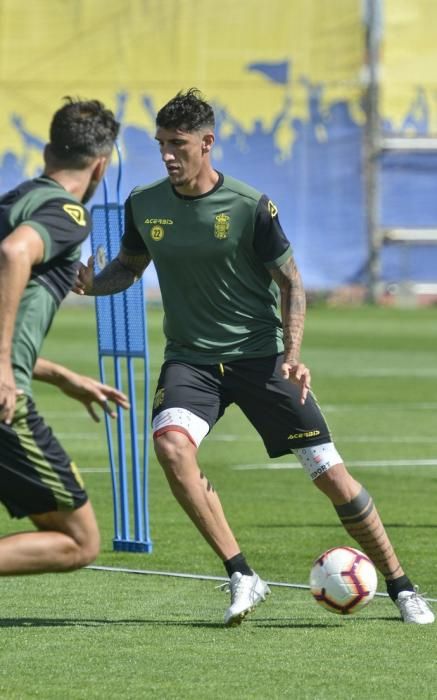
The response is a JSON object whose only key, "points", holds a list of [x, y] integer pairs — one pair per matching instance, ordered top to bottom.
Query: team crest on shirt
{"points": [[273, 209], [77, 213], [221, 226], [157, 233], [159, 398]]}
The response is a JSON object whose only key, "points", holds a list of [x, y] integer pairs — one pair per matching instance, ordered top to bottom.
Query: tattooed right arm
{"points": [[120, 273], [115, 277]]}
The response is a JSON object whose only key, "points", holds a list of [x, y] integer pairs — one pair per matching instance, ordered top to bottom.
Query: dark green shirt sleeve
{"points": [[62, 225], [131, 240], [270, 242]]}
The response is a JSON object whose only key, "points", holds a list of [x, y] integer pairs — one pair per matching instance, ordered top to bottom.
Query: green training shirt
{"points": [[63, 223], [212, 255]]}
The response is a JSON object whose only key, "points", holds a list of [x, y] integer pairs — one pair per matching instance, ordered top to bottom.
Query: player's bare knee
{"points": [[177, 433], [172, 447], [177, 463], [331, 481], [338, 484], [76, 535], [83, 552], [89, 552]]}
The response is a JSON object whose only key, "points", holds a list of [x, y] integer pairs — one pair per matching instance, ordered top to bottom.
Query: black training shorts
{"points": [[271, 403], [36, 474]]}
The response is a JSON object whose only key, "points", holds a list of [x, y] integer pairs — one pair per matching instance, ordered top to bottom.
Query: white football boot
{"points": [[246, 593], [414, 608]]}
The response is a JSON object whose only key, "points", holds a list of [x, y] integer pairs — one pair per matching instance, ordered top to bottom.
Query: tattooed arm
{"points": [[117, 276], [293, 307]]}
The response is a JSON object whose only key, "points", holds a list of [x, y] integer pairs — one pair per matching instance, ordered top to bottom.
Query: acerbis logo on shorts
{"points": [[159, 398], [308, 434]]}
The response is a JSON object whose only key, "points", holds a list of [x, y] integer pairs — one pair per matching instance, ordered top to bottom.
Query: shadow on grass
{"points": [[292, 526], [32, 622], [70, 622], [292, 624]]}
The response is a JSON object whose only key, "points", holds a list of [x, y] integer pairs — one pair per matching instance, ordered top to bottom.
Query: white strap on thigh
{"points": [[181, 419], [318, 459]]}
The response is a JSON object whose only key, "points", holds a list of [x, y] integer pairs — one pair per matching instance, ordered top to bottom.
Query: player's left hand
{"points": [[298, 374], [89, 391]]}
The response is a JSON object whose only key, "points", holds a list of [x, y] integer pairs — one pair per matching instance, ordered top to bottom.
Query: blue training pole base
{"points": [[131, 546]]}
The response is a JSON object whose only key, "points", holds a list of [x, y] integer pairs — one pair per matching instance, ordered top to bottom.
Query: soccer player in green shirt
{"points": [[42, 224], [224, 267]]}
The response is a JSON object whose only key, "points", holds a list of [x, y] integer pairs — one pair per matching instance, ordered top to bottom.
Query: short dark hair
{"points": [[187, 111], [80, 131]]}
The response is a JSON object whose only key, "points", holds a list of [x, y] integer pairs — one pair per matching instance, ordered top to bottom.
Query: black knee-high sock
{"points": [[238, 563], [396, 585]]}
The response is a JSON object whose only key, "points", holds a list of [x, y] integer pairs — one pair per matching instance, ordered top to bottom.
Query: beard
{"points": [[89, 191]]}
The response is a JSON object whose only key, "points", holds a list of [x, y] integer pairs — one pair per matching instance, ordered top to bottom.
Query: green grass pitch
{"points": [[93, 634]]}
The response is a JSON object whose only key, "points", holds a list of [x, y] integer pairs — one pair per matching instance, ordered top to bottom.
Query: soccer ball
{"points": [[343, 580]]}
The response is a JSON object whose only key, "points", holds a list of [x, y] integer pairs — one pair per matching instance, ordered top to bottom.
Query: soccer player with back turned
{"points": [[42, 224], [224, 266]]}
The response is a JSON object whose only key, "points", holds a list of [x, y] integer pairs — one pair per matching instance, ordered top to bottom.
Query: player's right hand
{"points": [[84, 277], [299, 374], [8, 393]]}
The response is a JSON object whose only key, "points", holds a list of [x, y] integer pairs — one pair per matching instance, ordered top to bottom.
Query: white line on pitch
{"points": [[422, 372], [417, 406], [355, 407], [224, 437], [395, 439], [359, 463], [272, 466], [95, 470], [204, 577]]}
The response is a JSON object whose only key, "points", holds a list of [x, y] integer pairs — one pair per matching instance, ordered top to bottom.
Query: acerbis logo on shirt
{"points": [[273, 209], [76, 212], [157, 231]]}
